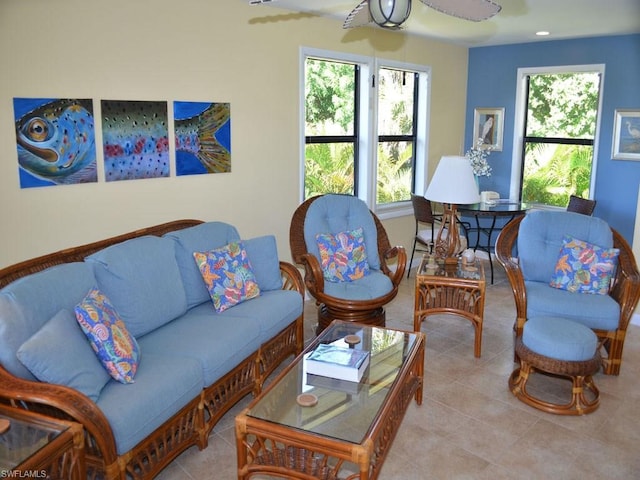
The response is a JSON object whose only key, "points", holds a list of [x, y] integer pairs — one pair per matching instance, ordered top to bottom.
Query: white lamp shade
{"points": [[389, 13], [453, 182]]}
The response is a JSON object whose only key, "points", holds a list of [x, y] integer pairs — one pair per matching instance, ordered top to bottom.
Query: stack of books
{"points": [[341, 363]]}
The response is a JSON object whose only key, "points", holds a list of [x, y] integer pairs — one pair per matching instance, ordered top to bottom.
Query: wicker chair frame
{"points": [[581, 205], [625, 290], [370, 311], [190, 426]]}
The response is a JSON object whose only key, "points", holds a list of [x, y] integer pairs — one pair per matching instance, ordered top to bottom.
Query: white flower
{"points": [[478, 158]]}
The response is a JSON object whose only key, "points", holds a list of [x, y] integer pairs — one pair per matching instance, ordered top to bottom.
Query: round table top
{"points": [[499, 208]]}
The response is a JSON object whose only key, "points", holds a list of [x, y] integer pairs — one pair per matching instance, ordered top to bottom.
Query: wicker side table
{"points": [[458, 290], [41, 447]]}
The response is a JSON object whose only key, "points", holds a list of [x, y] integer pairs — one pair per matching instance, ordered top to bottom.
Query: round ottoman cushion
{"points": [[559, 338]]}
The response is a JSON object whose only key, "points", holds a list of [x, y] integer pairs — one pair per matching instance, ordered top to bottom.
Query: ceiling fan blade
{"points": [[474, 10], [359, 16]]}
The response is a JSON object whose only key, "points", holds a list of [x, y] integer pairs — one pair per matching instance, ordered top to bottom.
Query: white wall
{"points": [[192, 50]]}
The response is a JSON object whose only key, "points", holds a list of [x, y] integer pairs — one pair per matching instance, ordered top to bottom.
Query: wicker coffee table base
{"points": [[585, 396]]}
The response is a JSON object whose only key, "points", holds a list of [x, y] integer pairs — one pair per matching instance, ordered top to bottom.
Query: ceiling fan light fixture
{"points": [[389, 13]]}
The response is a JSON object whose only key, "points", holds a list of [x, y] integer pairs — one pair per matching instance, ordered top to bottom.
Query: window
{"points": [[559, 122], [364, 128]]}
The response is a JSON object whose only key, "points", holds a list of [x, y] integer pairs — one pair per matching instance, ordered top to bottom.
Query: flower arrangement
{"points": [[478, 158]]}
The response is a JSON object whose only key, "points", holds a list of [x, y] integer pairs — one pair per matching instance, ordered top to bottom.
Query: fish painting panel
{"points": [[202, 137], [135, 139], [55, 141]]}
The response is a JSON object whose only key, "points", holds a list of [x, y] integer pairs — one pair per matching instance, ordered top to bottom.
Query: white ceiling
{"points": [[518, 21]]}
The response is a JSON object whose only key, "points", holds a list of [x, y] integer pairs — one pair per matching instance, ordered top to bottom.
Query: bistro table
{"points": [[491, 210]]}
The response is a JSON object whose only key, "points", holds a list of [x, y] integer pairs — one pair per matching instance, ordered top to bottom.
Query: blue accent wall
{"points": [[492, 82]]}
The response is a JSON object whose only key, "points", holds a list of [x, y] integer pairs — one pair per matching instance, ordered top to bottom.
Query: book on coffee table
{"points": [[338, 362], [336, 384]]}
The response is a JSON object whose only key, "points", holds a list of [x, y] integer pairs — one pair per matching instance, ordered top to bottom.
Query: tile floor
{"points": [[470, 426]]}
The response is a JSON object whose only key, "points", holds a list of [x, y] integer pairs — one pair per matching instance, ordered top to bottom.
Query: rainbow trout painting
{"points": [[202, 137], [135, 139], [55, 141]]}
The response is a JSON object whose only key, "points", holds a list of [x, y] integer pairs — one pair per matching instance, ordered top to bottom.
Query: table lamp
{"points": [[453, 183]]}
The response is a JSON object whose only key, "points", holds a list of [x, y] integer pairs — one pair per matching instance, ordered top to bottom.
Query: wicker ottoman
{"points": [[559, 347]]}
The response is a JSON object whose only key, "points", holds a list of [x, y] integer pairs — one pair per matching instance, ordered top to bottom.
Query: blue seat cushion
{"points": [[341, 213], [199, 238], [540, 239], [141, 278], [374, 285], [271, 311], [599, 312], [559, 338], [218, 342], [164, 384]]}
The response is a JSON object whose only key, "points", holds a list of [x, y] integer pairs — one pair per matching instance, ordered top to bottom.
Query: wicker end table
{"points": [[457, 289], [40, 447]]}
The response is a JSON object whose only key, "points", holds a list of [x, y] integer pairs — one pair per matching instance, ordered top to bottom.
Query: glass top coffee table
{"points": [[348, 432]]}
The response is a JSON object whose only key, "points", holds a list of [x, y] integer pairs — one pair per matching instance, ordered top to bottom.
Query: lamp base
{"points": [[451, 261]]}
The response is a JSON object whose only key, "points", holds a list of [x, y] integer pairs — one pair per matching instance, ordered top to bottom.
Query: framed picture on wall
{"points": [[488, 125], [626, 135]]}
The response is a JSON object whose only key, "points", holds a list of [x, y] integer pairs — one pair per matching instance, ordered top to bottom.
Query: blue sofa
{"points": [[195, 363]]}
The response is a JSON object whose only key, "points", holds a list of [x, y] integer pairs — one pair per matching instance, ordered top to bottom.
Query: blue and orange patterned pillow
{"points": [[343, 255], [583, 267], [228, 275], [115, 347]]}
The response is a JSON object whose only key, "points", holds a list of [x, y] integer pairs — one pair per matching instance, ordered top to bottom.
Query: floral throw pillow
{"points": [[343, 256], [584, 268], [228, 275], [114, 346]]}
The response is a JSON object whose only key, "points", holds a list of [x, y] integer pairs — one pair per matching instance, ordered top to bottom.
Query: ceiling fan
{"points": [[392, 14]]}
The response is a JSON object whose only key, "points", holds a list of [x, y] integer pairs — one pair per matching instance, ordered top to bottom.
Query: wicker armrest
{"points": [[400, 254], [313, 278], [292, 280], [626, 286], [61, 402]]}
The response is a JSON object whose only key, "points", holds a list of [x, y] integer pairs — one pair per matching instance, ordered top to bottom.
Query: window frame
{"points": [[521, 108], [366, 146]]}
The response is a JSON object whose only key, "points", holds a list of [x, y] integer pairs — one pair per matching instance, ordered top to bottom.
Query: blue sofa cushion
{"points": [[340, 213], [541, 234], [199, 238], [263, 255], [142, 280], [374, 285], [30, 302], [271, 311], [594, 311], [559, 338], [217, 341], [60, 353], [163, 385]]}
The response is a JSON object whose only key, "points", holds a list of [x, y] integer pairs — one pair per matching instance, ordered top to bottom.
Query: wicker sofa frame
{"points": [[625, 290], [191, 425]]}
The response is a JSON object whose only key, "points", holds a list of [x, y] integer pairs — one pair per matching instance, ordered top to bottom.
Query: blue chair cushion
{"points": [[341, 213], [541, 234], [199, 238], [141, 278], [374, 285], [30, 302], [599, 312], [559, 338], [60, 353], [164, 384]]}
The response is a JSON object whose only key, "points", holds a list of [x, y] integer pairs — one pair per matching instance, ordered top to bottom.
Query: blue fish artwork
{"points": [[202, 137], [135, 139], [55, 141]]}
